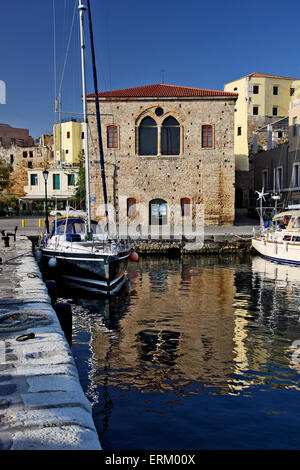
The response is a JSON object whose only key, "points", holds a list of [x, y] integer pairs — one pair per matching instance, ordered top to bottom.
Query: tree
{"points": [[5, 171], [80, 187]]}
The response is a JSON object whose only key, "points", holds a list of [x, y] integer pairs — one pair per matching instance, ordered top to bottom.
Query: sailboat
{"points": [[281, 241], [77, 249]]}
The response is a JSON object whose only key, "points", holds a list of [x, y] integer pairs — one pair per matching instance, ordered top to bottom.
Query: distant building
{"points": [[263, 99], [10, 136], [68, 141], [165, 145], [278, 168], [61, 187]]}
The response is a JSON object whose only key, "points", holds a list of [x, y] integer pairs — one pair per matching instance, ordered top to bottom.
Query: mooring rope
{"points": [[21, 320]]}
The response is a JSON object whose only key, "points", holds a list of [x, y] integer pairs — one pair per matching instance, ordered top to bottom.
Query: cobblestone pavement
{"points": [[42, 404]]}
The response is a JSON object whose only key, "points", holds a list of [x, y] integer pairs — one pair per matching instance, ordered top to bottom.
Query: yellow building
{"points": [[263, 99], [69, 141]]}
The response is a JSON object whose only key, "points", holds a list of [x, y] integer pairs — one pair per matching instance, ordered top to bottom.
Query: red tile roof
{"points": [[162, 91]]}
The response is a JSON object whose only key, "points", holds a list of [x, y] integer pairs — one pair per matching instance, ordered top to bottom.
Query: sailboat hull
{"points": [[99, 273]]}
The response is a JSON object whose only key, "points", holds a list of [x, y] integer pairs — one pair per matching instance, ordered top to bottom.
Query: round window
{"points": [[159, 111]]}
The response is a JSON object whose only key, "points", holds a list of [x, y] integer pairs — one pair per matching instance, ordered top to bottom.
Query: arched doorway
{"points": [[158, 212]]}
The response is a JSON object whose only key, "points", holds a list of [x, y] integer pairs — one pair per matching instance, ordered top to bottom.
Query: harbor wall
{"points": [[42, 404]]}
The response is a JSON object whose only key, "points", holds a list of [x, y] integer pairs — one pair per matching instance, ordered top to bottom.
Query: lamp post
{"points": [[45, 175]]}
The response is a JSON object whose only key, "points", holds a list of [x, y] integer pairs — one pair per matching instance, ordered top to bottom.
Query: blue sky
{"points": [[199, 44]]}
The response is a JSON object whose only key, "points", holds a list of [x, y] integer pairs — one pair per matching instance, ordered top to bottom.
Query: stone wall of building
{"points": [[22, 159], [205, 176]]}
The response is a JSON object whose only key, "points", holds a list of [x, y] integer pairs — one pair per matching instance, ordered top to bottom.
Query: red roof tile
{"points": [[161, 91]]}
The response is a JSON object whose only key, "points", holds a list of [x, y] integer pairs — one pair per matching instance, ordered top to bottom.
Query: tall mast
{"points": [[82, 9], [98, 117]]}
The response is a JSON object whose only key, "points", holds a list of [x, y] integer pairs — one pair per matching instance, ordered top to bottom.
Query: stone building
{"points": [[165, 146]]}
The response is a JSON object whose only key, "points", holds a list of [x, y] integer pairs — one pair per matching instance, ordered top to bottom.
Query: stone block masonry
{"points": [[42, 404]]}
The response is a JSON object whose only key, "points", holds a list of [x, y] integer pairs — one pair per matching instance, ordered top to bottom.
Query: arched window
{"points": [[207, 136], [112, 137], [148, 137], [170, 137], [185, 206], [131, 207], [158, 212]]}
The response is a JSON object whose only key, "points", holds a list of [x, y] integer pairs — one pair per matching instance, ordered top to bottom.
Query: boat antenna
{"points": [[82, 9], [98, 116]]}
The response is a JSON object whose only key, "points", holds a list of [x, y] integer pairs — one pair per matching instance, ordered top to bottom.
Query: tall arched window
{"points": [[148, 137], [170, 137], [158, 212]]}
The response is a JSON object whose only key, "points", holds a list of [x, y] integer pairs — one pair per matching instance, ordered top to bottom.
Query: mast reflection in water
{"points": [[197, 354]]}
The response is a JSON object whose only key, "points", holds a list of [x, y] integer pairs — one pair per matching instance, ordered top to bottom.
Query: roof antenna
{"points": [[163, 75]]}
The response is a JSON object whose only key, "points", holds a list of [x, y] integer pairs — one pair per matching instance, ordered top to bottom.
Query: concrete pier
{"points": [[42, 404]]}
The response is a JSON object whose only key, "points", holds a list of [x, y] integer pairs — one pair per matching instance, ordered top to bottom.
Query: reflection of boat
{"points": [[281, 242], [81, 256], [97, 264], [270, 271]]}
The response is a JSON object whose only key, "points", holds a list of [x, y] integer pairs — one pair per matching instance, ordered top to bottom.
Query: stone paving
{"points": [[42, 404]]}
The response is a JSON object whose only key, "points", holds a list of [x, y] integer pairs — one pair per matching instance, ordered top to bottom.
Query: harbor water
{"points": [[194, 353]]}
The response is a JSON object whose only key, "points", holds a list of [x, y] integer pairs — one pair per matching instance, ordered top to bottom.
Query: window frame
{"points": [[275, 87], [255, 89], [275, 108], [253, 113], [206, 133], [111, 134], [36, 179], [54, 181], [296, 183], [185, 204], [131, 207]]}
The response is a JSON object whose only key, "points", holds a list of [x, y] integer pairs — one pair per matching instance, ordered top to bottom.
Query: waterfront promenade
{"points": [[42, 404]]}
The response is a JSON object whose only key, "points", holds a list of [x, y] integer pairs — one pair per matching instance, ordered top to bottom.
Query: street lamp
{"points": [[45, 175]]}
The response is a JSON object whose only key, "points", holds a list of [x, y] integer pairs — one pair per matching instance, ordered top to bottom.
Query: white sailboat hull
{"points": [[281, 251]]}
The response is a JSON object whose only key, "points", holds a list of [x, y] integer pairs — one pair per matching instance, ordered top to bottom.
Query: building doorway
{"points": [[158, 212]]}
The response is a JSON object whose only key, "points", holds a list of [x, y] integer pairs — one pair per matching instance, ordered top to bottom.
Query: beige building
{"points": [[262, 99], [68, 141], [165, 146], [60, 187]]}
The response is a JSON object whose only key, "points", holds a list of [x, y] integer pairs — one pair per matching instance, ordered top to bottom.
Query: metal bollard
{"points": [[23, 223], [40, 223], [5, 238]]}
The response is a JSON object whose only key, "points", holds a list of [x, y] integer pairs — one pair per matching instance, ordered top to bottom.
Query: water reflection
{"points": [[188, 325], [195, 327]]}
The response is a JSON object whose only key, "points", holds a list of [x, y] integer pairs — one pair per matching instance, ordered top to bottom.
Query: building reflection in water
{"points": [[194, 326]]}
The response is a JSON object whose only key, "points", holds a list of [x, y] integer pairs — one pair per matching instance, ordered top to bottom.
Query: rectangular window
{"points": [[255, 89], [275, 90], [292, 91], [255, 110], [275, 111], [295, 126], [239, 130], [68, 134], [82, 135], [207, 136], [112, 137], [12, 140], [24, 154], [31, 154], [11, 159], [29, 164], [296, 175], [279, 177], [71, 179], [265, 179], [33, 180], [56, 181], [131, 207], [185, 207]]}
